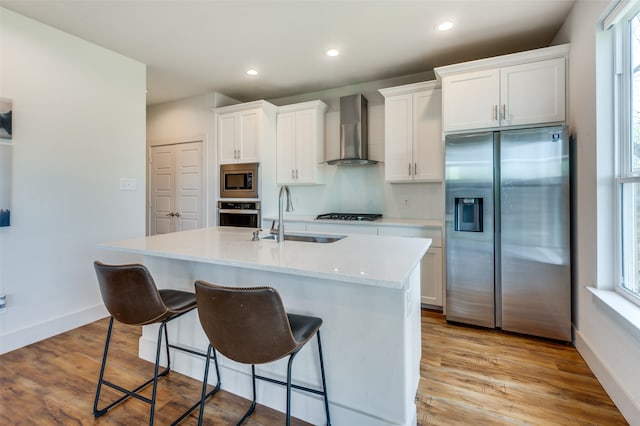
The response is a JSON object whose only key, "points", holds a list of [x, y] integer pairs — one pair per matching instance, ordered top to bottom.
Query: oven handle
{"points": [[238, 211]]}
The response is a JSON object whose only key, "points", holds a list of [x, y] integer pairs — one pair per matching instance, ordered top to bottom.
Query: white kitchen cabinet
{"points": [[526, 88], [533, 93], [471, 100], [240, 131], [413, 135], [300, 142], [431, 276], [431, 283]]}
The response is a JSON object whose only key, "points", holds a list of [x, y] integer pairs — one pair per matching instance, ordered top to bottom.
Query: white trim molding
{"points": [[25, 336]]}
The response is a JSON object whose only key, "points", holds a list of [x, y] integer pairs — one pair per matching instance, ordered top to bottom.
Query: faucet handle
{"points": [[273, 229], [256, 235]]}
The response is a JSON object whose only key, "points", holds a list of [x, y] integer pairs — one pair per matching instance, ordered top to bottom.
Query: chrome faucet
{"points": [[284, 189]]}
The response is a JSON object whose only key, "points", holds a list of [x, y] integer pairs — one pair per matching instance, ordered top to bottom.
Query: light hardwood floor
{"points": [[468, 376]]}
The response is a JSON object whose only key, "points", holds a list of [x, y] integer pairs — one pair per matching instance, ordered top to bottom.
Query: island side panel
{"points": [[370, 336]]}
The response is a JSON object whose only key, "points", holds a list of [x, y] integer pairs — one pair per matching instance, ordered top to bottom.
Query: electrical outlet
{"points": [[405, 204]]}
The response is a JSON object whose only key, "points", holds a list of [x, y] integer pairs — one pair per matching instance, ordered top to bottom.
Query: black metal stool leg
{"points": [[163, 325], [166, 339], [324, 381], [205, 395], [253, 402], [96, 412], [288, 422]]}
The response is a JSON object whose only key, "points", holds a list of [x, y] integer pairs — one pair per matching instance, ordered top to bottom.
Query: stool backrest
{"points": [[130, 294], [248, 325]]}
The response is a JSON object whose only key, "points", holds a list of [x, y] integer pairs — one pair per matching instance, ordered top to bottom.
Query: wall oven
{"points": [[239, 180], [239, 213]]}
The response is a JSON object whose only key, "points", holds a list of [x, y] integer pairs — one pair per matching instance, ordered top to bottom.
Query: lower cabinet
{"points": [[431, 277], [431, 284]]}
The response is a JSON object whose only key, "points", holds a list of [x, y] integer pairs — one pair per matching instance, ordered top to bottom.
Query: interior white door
{"points": [[177, 188], [189, 188], [162, 199]]}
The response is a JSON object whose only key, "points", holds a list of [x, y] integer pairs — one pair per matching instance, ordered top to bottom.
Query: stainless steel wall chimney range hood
{"points": [[354, 134]]}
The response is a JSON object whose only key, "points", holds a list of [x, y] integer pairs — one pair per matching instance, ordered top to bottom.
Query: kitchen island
{"points": [[365, 288]]}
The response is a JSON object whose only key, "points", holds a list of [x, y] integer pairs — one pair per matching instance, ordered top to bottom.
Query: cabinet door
{"points": [[533, 93], [470, 100], [227, 138], [398, 138], [285, 140], [249, 141], [305, 147], [428, 147], [431, 277]]}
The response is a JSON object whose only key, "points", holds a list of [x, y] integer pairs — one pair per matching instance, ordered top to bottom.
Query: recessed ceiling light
{"points": [[445, 26], [332, 52], [252, 72]]}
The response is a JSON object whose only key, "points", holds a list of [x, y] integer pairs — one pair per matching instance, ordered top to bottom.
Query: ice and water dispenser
{"points": [[468, 214]]}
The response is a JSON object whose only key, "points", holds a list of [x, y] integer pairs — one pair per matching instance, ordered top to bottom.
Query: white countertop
{"points": [[384, 221], [370, 260]]}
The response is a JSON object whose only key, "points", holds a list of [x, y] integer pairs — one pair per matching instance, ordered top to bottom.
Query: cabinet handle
{"points": [[504, 111], [495, 113], [409, 169], [415, 169], [296, 173], [293, 174], [170, 214], [176, 214]]}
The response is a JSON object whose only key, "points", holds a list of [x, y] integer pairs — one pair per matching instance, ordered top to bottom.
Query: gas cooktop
{"points": [[349, 216]]}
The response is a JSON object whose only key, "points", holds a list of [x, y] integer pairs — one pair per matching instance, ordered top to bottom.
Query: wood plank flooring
{"points": [[468, 376]]}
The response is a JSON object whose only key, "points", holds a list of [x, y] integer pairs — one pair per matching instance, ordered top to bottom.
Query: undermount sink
{"points": [[309, 238]]}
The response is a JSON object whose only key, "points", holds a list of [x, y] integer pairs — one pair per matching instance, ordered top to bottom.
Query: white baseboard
{"points": [[25, 336], [629, 408]]}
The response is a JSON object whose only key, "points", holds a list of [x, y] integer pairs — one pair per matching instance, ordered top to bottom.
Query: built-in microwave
{"points": [[239, 180]]}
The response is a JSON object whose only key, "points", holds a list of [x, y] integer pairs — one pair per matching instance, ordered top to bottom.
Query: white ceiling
{"points": [[193, 47]]}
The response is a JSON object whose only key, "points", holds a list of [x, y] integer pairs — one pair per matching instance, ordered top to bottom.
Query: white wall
{"points": [[190, 120], [78, 122], [611, 350]]}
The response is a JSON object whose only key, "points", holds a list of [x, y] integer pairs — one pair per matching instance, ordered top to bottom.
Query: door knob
{"points": [[170, 214], [176, 214]]}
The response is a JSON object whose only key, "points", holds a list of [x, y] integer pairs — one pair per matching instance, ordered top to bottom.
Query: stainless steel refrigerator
{"points": [[508, 231]]}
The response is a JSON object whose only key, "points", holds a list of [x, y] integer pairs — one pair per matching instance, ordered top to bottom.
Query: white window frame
{"points": [[623, 143]]}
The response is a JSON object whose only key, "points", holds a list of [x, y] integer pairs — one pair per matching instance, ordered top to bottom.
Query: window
{"points": [[628, 156]]}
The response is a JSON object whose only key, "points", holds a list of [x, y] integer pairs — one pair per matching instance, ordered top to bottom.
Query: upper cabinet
{"points": [[526, 88], [240, 131], [412, 135], [300, 142]]}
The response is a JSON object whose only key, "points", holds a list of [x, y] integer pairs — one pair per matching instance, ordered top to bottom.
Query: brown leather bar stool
{"points": [[131, 297], [251, 326]]}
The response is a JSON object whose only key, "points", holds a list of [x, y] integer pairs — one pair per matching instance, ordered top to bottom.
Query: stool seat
{"points": [[178, 301], [303, 327]]}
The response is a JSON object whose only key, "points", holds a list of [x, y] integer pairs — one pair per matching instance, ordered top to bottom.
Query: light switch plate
{"points": [[128, 184]]}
